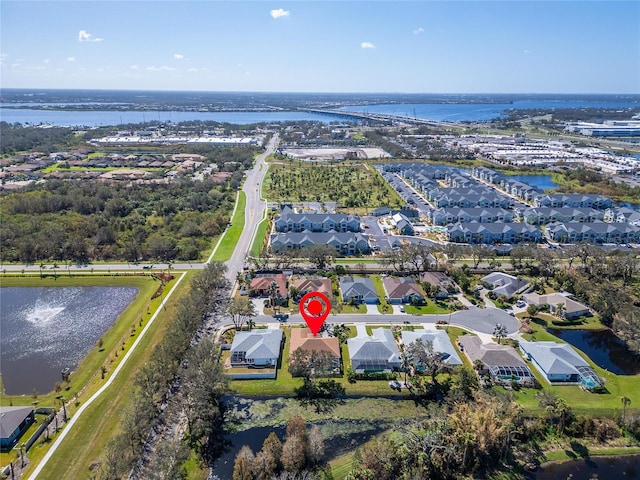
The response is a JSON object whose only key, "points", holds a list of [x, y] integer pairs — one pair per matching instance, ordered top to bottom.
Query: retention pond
{"points": [[45, 330]]}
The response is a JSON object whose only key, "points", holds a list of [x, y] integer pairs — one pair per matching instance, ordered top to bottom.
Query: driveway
{"points": [[259, 304], [372, 309]]}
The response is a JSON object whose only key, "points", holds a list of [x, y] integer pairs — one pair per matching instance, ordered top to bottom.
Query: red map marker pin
{"points": [[315, 308]]}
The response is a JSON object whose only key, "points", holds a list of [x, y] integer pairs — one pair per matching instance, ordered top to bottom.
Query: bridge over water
{"points": [[378, 117]]}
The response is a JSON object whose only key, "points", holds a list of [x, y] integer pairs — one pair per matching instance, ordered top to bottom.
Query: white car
{"points": [[402, 309]]}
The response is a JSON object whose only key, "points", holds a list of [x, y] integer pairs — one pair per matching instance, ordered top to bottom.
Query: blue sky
{"points": [[323, 46]]}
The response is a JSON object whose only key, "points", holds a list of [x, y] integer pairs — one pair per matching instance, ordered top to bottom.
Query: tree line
{"points": [[85, 221], [202, 383]]}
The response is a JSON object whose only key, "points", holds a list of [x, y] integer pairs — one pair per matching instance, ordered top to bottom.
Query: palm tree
{"points": [[273, 293], [500, 332], [625, 402]]}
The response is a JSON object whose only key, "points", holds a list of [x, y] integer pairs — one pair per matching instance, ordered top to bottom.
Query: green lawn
{"points": [[231, 236], [258, 241], [383, 306], [430, 308], [87, 441]]}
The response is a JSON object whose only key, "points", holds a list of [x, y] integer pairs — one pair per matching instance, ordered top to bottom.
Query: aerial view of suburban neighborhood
{"points": [[220, 284]]}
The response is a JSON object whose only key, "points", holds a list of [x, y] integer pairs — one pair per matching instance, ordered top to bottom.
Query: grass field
{"points": [[350, 186], [231, 236], [258, 241], [430, 308], [87, 441]]}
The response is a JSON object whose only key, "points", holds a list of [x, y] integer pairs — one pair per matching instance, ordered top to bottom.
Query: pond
{"points": [[542, 182], [47, 329], [603, 348], [602, 468]]}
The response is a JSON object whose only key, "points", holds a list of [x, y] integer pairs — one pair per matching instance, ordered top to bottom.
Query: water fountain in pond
{"points": [[39, 316], [46, 329]]}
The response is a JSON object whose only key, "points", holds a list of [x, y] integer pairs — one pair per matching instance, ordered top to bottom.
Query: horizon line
{"points": [[309, 92]]}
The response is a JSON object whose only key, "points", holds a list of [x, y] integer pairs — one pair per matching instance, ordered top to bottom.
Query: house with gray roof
{"points": [[575, 200], [545, 215], [446, 216], [317, 222], [402, 224], [595, 232], [489, 233], [345, 243], [504, 284], [358, 290], [402, 290], [440, 342], [257, 348], [376, 353], [501, 362], [560, 363], [14, 421]]}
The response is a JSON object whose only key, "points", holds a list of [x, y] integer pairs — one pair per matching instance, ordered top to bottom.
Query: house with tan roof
{"points": [[260, 285], [307, 285], [402, 290], [570, 308], [304, 339]]}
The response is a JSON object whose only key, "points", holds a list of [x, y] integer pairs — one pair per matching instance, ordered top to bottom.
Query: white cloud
{"points": [[279, 13], [418, 31], [84, 36], [367, 45], [526, 52], [178, 56], [3, 57], [71, 59], [46, 61], [135, 67], [163, 68], [192, 69]]}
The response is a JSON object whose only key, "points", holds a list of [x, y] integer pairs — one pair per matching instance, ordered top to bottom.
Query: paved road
{"points": [[254, 210], [482, 320]]}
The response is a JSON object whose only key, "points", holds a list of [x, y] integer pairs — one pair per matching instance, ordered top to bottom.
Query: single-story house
{"points": [[440, 280], [261, 284], [504, 284], [308, 285], [358, 290], [402, 290], [570, 308], [303, 338], [440, 341], [257, 348], [376, 353], [501, 362], [559, 362], [14, 421]]}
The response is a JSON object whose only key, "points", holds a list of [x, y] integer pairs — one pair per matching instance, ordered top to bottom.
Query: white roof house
{"points": [[504, 284], [440, 341], [257, 347], [378, 352], [559, 362]]}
